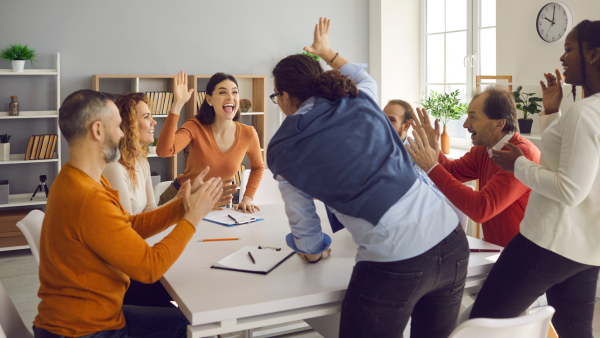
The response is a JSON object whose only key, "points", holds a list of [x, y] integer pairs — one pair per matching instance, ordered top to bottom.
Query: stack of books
{"points": [[201, 97], [160, 102], [41, 147]]}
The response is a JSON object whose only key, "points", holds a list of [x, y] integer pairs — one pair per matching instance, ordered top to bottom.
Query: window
{"points": [[450, 49]]}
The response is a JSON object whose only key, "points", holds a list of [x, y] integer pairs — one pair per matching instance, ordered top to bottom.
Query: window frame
{"points": [[471, 59]]}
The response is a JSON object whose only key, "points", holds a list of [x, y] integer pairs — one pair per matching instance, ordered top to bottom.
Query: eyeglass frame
{"points": [[273, 97]]}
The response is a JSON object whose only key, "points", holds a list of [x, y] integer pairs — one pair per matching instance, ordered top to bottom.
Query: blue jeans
{"points": [[524, 272], [382, 296], [141, 321]]}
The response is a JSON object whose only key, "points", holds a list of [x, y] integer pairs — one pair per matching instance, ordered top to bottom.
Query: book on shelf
{"points": [[171, 97], [201, 97], [160, 102], [36, 142], [51, 146], [29, 147], [44, 148]]}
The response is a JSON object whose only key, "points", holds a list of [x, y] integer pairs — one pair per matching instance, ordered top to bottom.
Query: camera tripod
{"points": [[39, 187]]}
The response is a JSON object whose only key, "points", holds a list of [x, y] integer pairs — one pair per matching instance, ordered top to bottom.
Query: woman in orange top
{"points": [[215, 137]]}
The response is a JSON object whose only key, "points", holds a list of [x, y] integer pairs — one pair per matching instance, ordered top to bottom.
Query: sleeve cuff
{"points": [[352, 69], [519, 170], [326, 242]]}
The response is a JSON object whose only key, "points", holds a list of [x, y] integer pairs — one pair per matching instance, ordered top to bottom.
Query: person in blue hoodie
{"points": [[336, 145]]}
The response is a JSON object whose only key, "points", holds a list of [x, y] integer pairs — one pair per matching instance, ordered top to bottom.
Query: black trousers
{"points": [[524, 272], [152, 295], [381, 297]]}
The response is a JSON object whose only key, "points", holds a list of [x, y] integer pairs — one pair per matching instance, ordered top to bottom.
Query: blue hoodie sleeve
{"points": [[362, 79], [306, 236]]}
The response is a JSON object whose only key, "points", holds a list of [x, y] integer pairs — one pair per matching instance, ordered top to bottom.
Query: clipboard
{"points": [[224, 217], [238, 259]]}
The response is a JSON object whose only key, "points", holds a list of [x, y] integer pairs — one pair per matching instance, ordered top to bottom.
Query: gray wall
{"points": [[157, 37]]}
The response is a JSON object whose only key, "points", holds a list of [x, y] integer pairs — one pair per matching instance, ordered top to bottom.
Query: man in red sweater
{"points": [[501, 200]]}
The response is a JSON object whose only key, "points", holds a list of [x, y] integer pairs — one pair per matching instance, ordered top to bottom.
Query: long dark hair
{"points": [[588, 32], [302, 77], [206, 114]]}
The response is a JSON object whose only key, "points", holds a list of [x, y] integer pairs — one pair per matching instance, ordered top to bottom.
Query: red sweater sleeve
{"points": [[464, 169], [502, 190]]}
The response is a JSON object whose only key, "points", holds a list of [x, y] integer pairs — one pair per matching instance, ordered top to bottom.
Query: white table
{"points": [[220, 301]]}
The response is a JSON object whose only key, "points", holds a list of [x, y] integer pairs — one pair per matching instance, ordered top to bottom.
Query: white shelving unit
{"points": [[23, 200]]}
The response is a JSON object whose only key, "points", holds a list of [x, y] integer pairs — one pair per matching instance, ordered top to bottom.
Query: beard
{"points": [[111, 151]]}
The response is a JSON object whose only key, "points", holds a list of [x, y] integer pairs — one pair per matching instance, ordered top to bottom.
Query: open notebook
{"points": [[266, 259]]}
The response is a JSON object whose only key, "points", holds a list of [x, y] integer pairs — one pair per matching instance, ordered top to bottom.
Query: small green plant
{"points": [[18, 52], [316, 57], [527, 103], [245, 104], [445, 107], [4, 138], [155, 141]]}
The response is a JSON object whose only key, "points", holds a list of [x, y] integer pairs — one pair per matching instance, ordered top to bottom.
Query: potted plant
{"points": [[17, 54], [528, 104], [245, 105], [445, 107], [4, 147], [152, 147]]}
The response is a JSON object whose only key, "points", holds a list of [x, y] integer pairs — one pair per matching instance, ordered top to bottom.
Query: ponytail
{"points": [[302, 77]]}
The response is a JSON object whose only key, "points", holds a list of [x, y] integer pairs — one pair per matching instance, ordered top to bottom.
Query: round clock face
{"points": [[553, 22]]}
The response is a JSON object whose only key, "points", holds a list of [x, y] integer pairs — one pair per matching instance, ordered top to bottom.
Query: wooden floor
{"points": [[19, 275]]}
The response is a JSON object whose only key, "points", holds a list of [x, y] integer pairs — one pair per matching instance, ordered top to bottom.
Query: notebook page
{"points": [[265, 259]]}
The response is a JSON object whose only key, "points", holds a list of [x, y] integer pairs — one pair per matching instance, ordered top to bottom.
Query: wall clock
{"points": [[553, 22]]}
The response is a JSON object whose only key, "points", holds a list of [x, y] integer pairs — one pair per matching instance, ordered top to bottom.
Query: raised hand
{"points": [[320, 44], [552, 93], [181, 94], [433, 131], [422, 153], [198, 204]]}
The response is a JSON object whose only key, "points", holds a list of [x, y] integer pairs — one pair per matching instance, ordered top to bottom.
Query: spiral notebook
{"points": [[265, 259]]}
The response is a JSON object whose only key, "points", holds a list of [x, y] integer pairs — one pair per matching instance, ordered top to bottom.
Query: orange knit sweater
{"points": [[204, 151], [90, 247]]}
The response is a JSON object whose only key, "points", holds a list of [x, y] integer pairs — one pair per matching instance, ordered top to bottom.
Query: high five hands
{"points": [[181, 94], [425, 148], [198, 182]]}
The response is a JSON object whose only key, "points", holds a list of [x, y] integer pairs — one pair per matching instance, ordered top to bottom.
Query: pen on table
{"points": [[235, 220], [219, 239], [484, 250], [252, 258]]}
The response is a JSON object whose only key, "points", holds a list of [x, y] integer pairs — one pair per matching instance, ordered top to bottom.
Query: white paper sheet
{"points": [[265, 259]]}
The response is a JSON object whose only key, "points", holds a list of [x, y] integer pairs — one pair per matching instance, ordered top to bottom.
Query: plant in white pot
{"points": [[17, 54], [528, 104], [445, 107], [4, 147], [152, 147]]}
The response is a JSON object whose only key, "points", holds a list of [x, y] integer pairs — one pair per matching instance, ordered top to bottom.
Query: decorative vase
{"points": [[18, 65], [14, 106], [244, 109], [525, 126], [445, 142], [152, 149], [4, 151]]}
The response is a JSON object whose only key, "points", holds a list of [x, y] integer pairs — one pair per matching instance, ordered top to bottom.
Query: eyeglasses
{"points": [[274, 97]]}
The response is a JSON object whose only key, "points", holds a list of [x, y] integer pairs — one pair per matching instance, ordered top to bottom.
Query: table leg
{"points": [[326, 326], [247, 333]]}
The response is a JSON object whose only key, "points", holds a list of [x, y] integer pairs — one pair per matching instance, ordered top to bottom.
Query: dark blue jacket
{"points": [[346, 154]]}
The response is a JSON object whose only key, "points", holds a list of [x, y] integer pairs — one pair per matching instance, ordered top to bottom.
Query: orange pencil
{"points": [[219, 239]]}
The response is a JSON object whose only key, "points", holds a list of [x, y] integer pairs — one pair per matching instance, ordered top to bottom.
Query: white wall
{"points": [[158, 37], [394, 48], [522, 54]]}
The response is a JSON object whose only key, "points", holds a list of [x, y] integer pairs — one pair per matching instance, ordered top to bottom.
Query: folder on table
{"points": [[223, 217], [265, 259]]}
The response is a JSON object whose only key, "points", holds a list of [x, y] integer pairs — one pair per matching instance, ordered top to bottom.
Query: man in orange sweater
{"points": [[501, 200], [90, 246]]}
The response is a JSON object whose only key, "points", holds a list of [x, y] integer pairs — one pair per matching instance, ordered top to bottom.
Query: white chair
{"points": [[159, 189], [268, 190], [31, 227], [11, 324], [535, 325]]}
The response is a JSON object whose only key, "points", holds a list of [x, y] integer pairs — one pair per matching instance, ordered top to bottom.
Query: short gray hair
{"points": [[500, 104], [79, 110]]}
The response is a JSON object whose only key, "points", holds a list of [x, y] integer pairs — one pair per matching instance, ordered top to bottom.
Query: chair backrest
{"points": [[159, 189], [268, 190], [31, 227], [11, 324], [530, 326]]}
